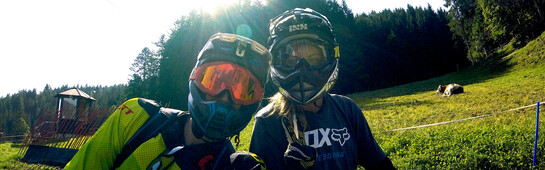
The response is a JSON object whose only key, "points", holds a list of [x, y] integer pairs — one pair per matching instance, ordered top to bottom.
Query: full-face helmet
{"points": [[304, 54], [230, 64]]}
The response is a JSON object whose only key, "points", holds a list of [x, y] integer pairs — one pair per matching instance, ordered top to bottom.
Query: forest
{"points": [[378, 50], [19, 111]]}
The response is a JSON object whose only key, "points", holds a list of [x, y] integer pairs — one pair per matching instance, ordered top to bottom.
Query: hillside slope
{"points": [[503, 138]]}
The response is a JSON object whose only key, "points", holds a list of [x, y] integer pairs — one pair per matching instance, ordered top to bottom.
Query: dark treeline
{"points": [[494, 28], [396, 47], [378, 50], [19, 111]]}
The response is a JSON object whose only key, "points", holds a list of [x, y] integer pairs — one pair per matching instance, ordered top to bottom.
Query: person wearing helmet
{"points": [[225, 90], [303, 126]]}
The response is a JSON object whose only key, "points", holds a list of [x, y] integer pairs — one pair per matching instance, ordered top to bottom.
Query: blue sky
{"points": [[94, 42]]}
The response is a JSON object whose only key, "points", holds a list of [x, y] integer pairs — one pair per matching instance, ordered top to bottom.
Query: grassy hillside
{"points": [[503, 140]]}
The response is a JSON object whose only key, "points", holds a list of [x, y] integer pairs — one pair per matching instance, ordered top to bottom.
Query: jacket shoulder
{"points": [[340, 97], [343, 100], [137, 105], [265, 111]]}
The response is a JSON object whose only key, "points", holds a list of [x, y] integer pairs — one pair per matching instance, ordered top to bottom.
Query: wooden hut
{"points": [[73, 106]]}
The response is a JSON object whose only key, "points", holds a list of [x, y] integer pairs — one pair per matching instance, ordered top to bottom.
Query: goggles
{"points": [[299, 51], [214, 77]]}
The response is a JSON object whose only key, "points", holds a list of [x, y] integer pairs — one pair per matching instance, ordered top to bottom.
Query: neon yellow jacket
{"points": [[102, 149]]}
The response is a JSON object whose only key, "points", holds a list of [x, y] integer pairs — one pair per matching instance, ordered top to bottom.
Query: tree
{"points": [[485, 26], [400, 46], [146, 64], [143, 82], [19, 127]]}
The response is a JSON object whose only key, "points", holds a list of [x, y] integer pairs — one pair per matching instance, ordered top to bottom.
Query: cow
{"points": [[450, 89]]}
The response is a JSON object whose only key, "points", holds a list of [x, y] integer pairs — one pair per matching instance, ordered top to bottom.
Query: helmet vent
{"points": [[297, 15], [241, 48]]}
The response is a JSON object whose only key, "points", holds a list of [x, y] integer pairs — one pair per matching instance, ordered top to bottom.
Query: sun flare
{"points": [[210, 6]]}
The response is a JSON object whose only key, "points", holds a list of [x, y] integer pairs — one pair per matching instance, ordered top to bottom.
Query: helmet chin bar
{"points": [[303, 86], [303, 90]]}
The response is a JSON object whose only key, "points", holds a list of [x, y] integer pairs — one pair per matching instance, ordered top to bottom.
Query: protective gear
{"points": [[301, 51], [225, 56], [215, 77], [301, 79], [139, 134], [297, 155], [246, 160]]}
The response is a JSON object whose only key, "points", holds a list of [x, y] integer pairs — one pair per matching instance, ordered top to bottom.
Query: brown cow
{"points": [[450, 89]]}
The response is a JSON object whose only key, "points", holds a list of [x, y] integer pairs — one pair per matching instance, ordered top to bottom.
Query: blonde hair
{"points": [[284, 107]]}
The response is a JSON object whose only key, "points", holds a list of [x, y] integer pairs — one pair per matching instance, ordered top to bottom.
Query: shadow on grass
{"points": [[471, 75], [377, 105], [16, 145]]}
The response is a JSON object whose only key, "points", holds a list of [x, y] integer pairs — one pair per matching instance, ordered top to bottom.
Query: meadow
{"points": [[502, 138]]}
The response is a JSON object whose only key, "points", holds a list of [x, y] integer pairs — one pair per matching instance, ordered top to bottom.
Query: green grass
{"points": [[504, 140], [8, 155], [9, 158]]}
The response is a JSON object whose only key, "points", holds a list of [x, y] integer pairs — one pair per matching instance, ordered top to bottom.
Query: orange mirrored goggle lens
{"points": [[212, 78]]}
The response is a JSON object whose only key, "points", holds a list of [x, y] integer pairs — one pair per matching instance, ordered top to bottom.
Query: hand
{"points": [[298, 156], [246, 160]]}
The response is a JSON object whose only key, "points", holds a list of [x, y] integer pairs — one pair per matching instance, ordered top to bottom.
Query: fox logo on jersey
{"points": [[340, 135], [323, 136]]}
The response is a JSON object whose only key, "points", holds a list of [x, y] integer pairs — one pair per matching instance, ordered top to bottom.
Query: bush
{"points": [[19, 127]]}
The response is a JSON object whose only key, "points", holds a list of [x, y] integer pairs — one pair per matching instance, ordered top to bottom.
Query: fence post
{"points": [[537, 130]]}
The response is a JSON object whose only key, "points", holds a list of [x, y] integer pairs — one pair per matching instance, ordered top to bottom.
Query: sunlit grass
{"points": [[504, 140], [9, 158]]}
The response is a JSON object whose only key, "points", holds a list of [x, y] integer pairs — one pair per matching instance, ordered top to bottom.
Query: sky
{"points": [[94, 42]]}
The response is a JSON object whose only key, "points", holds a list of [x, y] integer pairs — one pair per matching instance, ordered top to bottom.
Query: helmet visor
{"points": [[301, 51], [214, 77]]}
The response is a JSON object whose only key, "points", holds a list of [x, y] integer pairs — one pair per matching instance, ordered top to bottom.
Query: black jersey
{"points": [[339, 132]]}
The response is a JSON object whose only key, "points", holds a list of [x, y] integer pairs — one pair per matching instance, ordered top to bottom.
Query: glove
{"points": [[298, 156], [246, 160]]}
